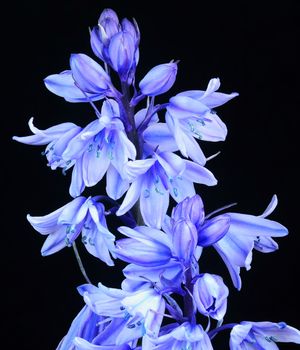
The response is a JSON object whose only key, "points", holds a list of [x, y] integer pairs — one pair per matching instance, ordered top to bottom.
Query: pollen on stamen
{"points": [[146, 193]]}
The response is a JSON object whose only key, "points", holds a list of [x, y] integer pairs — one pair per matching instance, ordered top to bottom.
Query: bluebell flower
{"points": [[117, 44], [159, 79], [86, 81], [189, 115], [56, 138], [102, 147], [156, 178], [63, 226], [244, 234], [210, 295], [133, 314], [86, 325], [262, 335], [184, 336]]}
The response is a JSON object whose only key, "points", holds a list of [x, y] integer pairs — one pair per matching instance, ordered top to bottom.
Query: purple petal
{"points": [[77, 185], [131, 197], [54, 242]]}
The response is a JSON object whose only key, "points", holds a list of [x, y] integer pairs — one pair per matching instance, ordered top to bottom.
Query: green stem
{"points": [[79, 261]]}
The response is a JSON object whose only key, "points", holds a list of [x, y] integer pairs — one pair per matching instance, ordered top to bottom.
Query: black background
{"points": [[251, 47]]}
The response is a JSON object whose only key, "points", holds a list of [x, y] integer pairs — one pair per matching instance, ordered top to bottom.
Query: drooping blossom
{"points": [[190, 116], [64, 225], [262, 335]]}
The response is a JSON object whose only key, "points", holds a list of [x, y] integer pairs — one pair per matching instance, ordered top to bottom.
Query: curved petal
{"points": [[89, 76], [64, 86], [159, 135], [197, 173], [77, 185], [115, 185], [131, 197], [213, 230], [54, 242]]}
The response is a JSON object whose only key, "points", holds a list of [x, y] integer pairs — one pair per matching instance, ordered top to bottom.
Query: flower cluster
{"points": [[148, 153]]}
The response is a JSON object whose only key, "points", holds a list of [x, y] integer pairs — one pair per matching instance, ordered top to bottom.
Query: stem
{"points": [[82, 269], [188, 299], [215, 331]]}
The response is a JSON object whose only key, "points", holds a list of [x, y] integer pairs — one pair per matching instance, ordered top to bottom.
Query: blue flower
{"points": [[117, 44], [159, 79], [86, 81], [189, 115], [102, 147], [99, 148], [154, 179], [63, 226], [244, 234], [210, 295], [133, 314], [86, 325], [262, 335], [184, 336]]}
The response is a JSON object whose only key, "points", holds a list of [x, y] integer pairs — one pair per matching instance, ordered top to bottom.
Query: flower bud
{"points": [[121, 52], [159, 79], [191, 208], [184, 240], [210, 294]]}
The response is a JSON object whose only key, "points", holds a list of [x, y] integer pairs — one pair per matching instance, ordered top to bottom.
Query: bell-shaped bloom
{"points": [[159, 79], [86, 81], [189, 116], [56, 138], [102, 147], [154, 179], [63, 226], [209, 231], [243, 235], [145, 246], [210, 296], [139, 312], [85, 325], [262, 335], [184, 336]]}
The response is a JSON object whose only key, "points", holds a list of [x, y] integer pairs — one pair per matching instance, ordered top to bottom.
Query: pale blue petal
{"points": [[89, 76], [64, 86], [183, 104], [211, 128], [159, 135], [43, 137], [82, 140], [172, 164], [94, 165], [197, 173], [77, 185], [115, 185], [131, 197], [154, 201], [271, 207], [70, 211], [48, 223], [250, 225], [213, 230], [54, 242], [265, 244], [233, 269], [279, 331]]}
